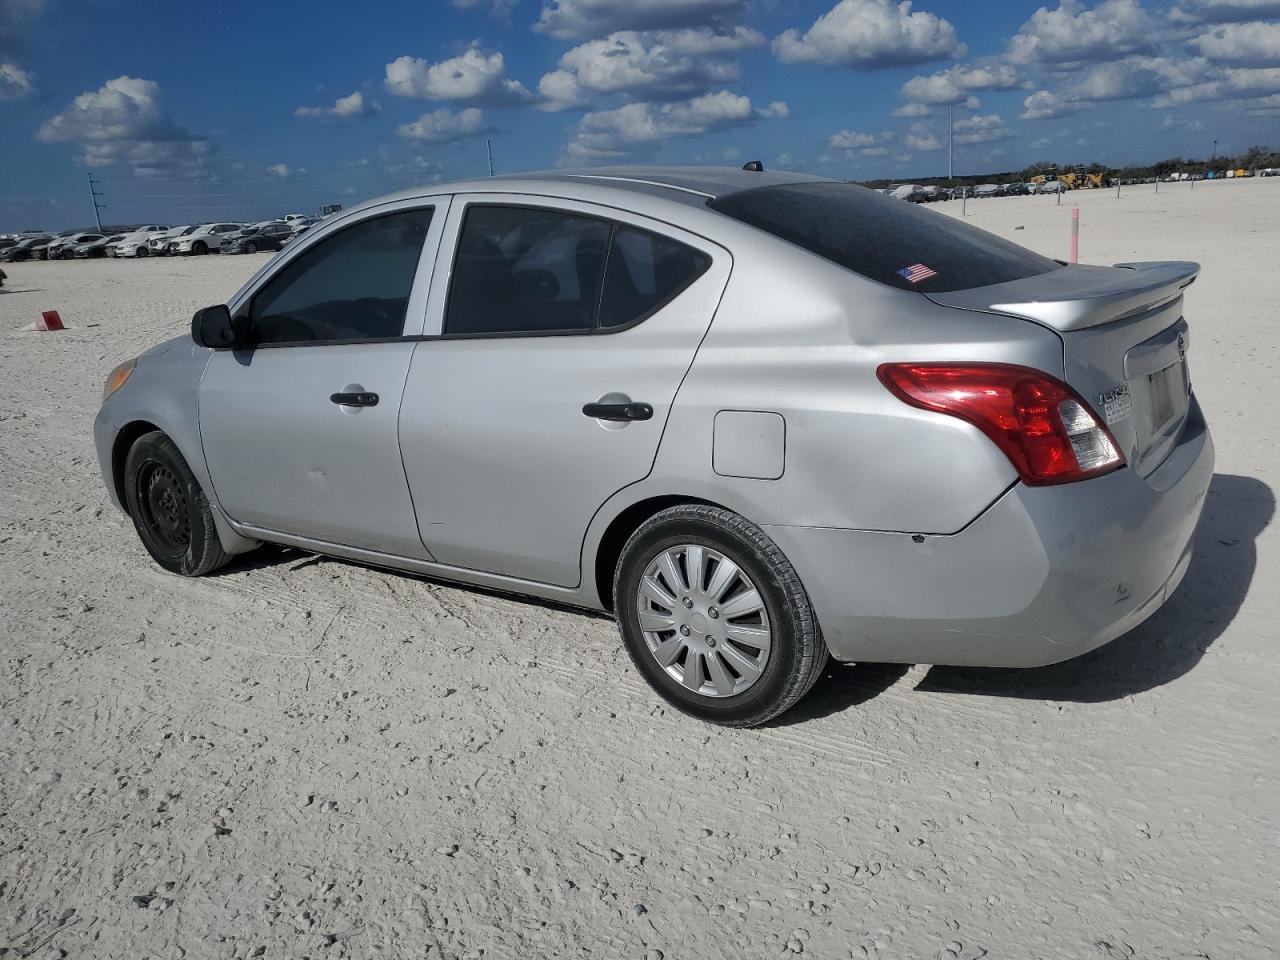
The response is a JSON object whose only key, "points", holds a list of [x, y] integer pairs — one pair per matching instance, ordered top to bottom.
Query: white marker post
{"points": [[1075, 234]]}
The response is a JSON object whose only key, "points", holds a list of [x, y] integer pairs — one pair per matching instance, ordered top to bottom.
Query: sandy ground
{"points": [[302, 757]]}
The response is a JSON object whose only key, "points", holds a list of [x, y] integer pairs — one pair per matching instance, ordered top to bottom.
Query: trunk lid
{"points": [[1124, 341]]}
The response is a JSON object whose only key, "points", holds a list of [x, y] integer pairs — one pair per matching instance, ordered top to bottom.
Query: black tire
{"points": [[250, 247], [199, 248], [142, 252], [169, 510], [798, 653]]}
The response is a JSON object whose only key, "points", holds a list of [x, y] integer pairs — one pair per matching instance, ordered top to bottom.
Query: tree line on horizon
{"points": [[1255, 158]]}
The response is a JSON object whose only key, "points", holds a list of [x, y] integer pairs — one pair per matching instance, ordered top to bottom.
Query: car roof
{"points": [[688, 185]]}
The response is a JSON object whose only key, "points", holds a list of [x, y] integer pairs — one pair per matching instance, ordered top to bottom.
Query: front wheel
{"points": [[250, 247], [199, 248], [142, 252], [169, 510], [715, 617]]}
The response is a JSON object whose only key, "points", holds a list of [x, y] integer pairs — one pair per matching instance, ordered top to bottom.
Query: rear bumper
{"points": [[1043, 575]]}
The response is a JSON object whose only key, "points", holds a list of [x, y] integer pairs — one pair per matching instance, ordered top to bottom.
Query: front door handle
{"points": [[354, 399], [618, 411]]}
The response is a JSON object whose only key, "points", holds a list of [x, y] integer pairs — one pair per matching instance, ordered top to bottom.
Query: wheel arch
{"points": [[127, 436], [619, 530]]}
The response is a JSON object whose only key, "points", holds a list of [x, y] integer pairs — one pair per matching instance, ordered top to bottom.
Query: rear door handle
{"points": [[354, 399], [618, 411]]}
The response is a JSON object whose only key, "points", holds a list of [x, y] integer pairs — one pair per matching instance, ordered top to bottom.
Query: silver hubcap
{"points": [[704, 621]]}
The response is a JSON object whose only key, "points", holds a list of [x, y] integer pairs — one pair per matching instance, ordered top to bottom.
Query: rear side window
{"points": [[897, 243], [525, 270], [645, 271], [353, 285]]}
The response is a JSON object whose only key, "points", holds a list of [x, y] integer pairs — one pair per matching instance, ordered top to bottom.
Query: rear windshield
{"points": [[883, 238]]}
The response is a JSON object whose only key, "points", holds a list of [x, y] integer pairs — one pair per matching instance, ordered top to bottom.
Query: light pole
{"points": [[1215, 152]]}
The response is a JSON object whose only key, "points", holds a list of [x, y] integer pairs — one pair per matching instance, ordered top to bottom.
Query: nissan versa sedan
{"points": [[761, 418]]}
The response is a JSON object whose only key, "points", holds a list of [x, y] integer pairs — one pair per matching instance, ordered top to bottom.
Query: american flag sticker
{"points": [[916, 272]]}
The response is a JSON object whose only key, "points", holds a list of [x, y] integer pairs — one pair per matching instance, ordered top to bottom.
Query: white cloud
{"points": [[501, 9], [1223, 11], [596, 18], [1073, 34], [870, 35], [1243, 43], [662, 63], [474, 77], [1137, 77], [15, 83], [954, 84], [1044, 104], [352, 105], [1265, 105], [913, 110], [123, 121], [1181, 123], [445, 126], [983, 128], [616, 133], [922, 138], [849, 139], [923, 142], [1042, 142], [874, 151], [783, 161], [420, 168], [282, 171]]}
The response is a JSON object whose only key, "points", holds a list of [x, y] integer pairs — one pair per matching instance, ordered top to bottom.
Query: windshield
{"points": [[897, 243]]}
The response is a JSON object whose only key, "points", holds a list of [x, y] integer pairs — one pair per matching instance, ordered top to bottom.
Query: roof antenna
{"points": [[755, 166]]}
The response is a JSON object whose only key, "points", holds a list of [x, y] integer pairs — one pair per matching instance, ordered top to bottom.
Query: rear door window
{"points": [[900, 244], [526, 270], [530, 270]]}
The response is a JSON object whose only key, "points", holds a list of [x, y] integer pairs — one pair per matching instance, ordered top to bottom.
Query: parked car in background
{"points": [[1049, 186], [986, 190], [911, 192], [294, 217], [268, 235], [206, 238], [158, 243], [134, 244], [24, 249], [61, 249], [93, 249], [541, 391]]}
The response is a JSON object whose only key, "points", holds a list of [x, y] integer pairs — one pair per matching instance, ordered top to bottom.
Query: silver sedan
{"points": [[762, 418]]}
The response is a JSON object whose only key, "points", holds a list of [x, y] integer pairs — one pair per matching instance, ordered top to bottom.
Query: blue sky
{"points": [[198, 111]]}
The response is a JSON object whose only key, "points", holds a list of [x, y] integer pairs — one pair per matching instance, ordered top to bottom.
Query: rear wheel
{"points": [[169, 510], [715, 617]]}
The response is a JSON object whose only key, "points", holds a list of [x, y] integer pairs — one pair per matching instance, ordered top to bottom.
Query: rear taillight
{"points": [[1044, 427]]}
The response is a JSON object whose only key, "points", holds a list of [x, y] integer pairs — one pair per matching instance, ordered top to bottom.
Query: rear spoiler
{"points": [[1077, 296]]}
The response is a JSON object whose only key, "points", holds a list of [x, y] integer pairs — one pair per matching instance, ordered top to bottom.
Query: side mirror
{"points": [[212, 327]]}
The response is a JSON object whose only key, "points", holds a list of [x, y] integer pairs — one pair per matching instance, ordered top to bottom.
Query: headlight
{"points": [[117, 377]]}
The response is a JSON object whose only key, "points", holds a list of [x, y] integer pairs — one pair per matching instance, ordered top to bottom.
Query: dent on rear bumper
{"points": [[1045, 574]]}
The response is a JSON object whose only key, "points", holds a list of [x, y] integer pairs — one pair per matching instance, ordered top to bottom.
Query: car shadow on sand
{"points": [[1164, 648]]}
